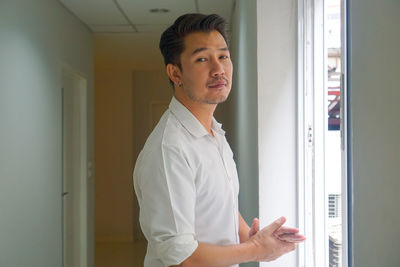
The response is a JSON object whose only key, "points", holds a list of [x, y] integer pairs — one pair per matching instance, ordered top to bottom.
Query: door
{"points": [[151, 96], [74, 193]]}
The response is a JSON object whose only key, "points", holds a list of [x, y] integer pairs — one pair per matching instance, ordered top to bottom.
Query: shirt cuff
{"points": [[175, 250]]}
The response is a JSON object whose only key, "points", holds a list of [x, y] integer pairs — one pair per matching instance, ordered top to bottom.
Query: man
{"points": [[185, 177]]}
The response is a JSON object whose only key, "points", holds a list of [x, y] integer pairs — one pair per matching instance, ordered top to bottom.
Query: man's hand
{"points": [[273, 241], [266, 244]]}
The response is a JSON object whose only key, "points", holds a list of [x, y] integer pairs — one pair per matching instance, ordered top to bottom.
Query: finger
{"points": [[277, 223], [255, 226], [286, 230], [291, 235], [293, 238], [289, 240], [288, 246], [291, 247]]}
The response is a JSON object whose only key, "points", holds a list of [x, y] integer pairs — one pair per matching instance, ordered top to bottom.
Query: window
{"points": [[321, 117]]}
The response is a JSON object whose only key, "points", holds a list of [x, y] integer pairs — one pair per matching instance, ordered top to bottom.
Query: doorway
{"points": [[74, 191]]}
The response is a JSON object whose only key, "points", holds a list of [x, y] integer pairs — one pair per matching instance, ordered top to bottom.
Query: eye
{"points": [[223, 57], [201, 59]]}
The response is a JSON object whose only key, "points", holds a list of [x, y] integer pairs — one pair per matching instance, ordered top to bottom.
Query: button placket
{"points": [[221, 153]]}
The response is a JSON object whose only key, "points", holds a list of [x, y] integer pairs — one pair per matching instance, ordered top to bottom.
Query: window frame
{"points": [[312, 122]]}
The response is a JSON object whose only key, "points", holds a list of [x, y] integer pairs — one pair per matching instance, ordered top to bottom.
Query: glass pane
{"points": [[333, 149]]}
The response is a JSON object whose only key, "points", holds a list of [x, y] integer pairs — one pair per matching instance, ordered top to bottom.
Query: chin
{"points": [[217, 97], [217, 100]]}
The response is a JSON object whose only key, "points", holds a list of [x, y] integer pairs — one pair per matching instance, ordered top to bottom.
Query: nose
{"points": [[217, 69]]}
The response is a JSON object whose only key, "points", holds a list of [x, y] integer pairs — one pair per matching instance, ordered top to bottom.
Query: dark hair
{"points": [[171, 42]]}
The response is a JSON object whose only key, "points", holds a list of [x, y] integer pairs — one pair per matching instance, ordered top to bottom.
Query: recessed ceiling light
{"points": [[159, 10]]}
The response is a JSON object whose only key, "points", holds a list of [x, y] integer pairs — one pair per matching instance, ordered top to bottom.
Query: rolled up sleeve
{"points": [[165, 186], [175, 250]]}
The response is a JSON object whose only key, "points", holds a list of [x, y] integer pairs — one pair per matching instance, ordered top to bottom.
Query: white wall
{"points": [[36, 37], [277, 113], [261, 125], [375, 129]]}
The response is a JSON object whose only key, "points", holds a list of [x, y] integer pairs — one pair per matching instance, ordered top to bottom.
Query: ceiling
{"points": [[134, 16], [126, 34]]}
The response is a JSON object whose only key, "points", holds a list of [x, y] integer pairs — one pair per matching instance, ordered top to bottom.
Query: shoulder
{"points": [[168, 132], [168, 136], [164, 146]]}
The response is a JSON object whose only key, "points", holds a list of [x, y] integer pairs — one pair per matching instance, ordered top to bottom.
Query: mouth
{"points": [[217, 85]]}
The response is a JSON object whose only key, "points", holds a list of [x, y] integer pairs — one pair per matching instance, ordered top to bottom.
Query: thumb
{"points": [[277, 223], [256, 224], [254, 227]]}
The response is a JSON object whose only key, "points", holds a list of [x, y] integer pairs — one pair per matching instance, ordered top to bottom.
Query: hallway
{"points": [[126, 93], [110, 254]]}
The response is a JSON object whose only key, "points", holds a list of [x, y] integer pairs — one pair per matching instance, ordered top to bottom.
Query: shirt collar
{"points": [[190, 122]]}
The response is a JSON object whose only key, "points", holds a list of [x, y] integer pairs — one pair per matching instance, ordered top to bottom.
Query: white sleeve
{"points": [[167, 204]]}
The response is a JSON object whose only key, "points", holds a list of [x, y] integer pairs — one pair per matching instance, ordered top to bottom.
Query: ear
{"points": [[174, 73]]}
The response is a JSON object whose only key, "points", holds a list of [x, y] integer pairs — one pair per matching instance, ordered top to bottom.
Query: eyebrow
{"points": [[200, 49]]}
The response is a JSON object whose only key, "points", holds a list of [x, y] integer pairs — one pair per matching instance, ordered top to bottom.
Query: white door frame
{"points": [[81, 113]]}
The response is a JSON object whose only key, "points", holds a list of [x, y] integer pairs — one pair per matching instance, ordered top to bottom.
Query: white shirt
{"points": [[187, 186]]}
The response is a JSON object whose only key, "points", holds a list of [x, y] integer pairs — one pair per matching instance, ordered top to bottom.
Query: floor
{"points": [[119, 254]]}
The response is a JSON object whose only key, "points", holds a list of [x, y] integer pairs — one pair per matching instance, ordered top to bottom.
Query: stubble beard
{"points": [[206, 100]]}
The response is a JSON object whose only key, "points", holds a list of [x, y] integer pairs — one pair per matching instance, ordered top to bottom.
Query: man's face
{"points": [[206, 68]]}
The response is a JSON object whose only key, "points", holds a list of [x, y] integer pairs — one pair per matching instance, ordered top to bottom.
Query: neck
{"points": [[203, 112]]}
